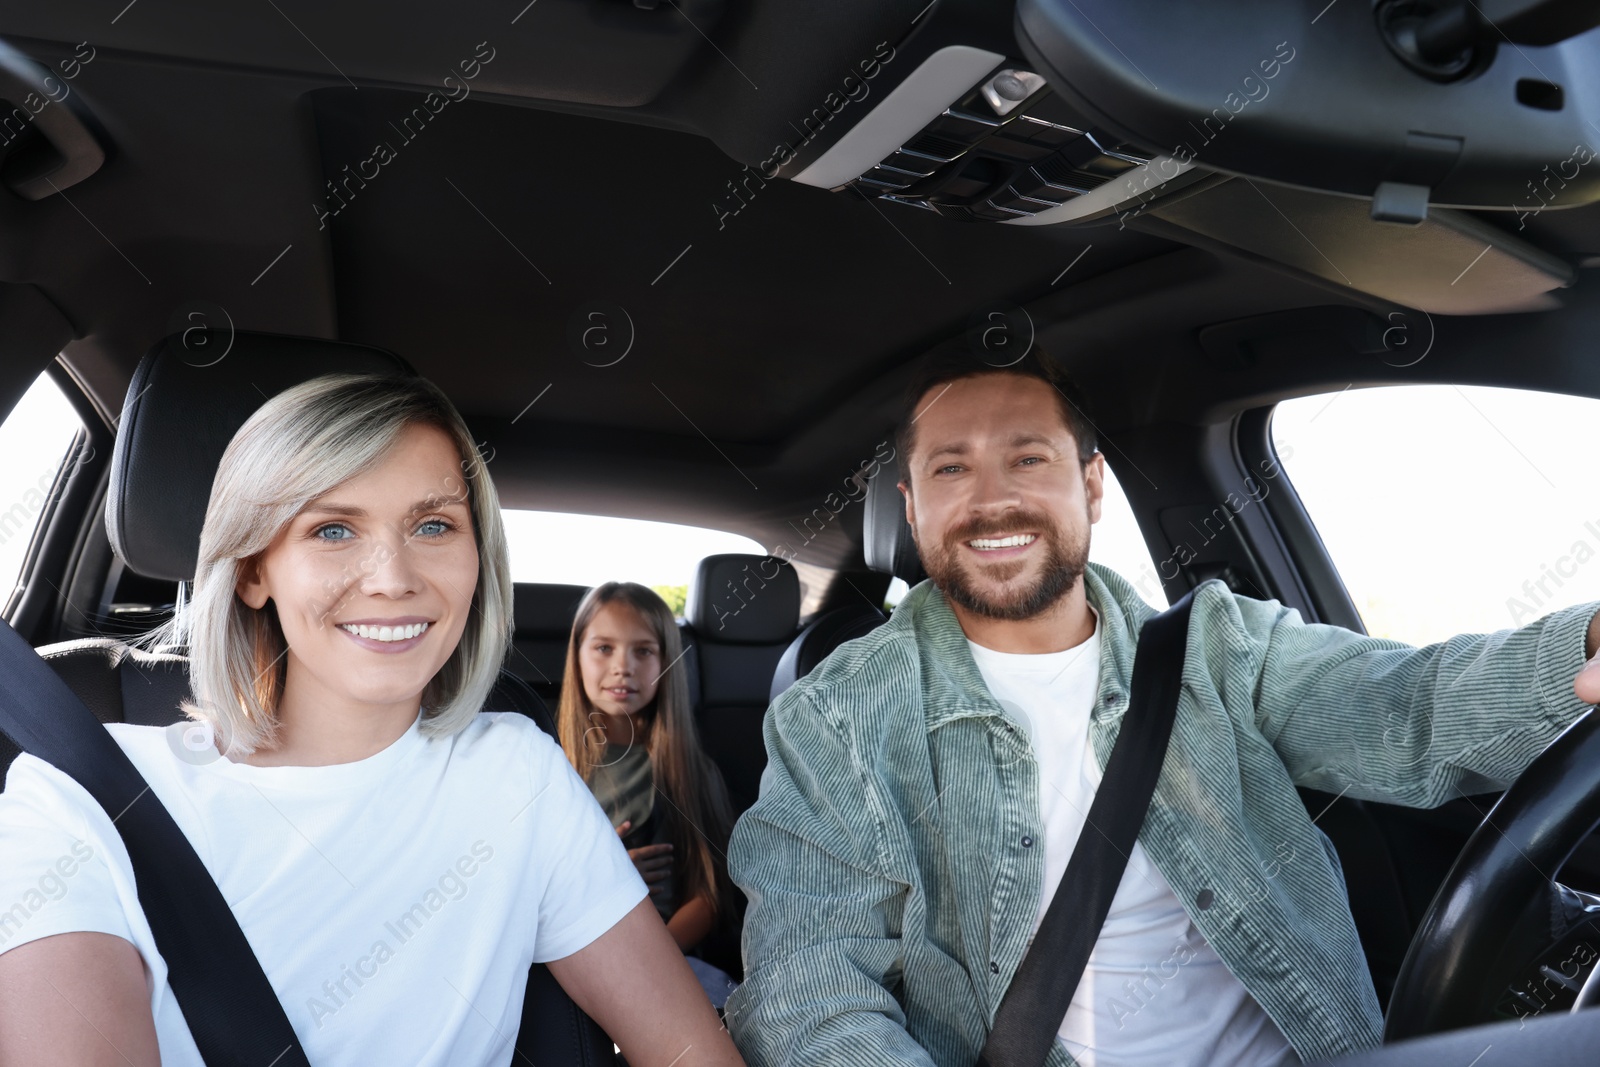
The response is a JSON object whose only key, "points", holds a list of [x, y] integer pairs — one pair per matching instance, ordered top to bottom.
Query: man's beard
{"points": [[1064, 564]]}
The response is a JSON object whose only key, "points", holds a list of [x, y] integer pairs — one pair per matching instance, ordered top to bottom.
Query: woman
{"points": [[351, 610], [626, 726]]}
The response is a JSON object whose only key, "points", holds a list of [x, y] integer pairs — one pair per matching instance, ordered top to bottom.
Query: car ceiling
{"points": [[769, 346]]}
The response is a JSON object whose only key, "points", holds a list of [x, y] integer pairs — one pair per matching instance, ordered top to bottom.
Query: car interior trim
{"points": [[941, 80]]}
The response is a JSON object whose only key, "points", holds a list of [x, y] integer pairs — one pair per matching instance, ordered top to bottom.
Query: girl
{"points": [[350, 613], [626, 726]]}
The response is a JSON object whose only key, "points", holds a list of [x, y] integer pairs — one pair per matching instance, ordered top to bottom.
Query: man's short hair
{"points": [[943, 369]]}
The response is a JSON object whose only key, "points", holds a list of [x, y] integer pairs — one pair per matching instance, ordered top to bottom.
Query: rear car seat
{"points": [[888, 548], [743, 611], [544, 614], [821, 636]]}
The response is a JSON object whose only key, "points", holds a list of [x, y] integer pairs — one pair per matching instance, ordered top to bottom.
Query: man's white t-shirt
{"points": [[395, 903], [1154, 993]]}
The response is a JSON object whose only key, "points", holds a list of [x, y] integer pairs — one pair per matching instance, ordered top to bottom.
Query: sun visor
{"points": [[1406, 104], [1450, 264]]}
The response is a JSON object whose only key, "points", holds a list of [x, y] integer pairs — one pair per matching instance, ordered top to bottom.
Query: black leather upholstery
{"points": [[186, 401], [176, 421], [885, 535], [889, 549], [744, 600], [743, 611], [543, 626], [820, 637], [117, 682], [120, 683]]}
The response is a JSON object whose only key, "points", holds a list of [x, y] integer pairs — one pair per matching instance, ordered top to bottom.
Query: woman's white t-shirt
{"points": [[395, 903]]}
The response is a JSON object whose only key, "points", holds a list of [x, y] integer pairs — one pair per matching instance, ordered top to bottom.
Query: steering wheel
{"points": [[1500, 908]]}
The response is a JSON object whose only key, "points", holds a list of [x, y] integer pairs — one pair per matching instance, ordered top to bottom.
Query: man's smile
{"points": [[1006, 546]]}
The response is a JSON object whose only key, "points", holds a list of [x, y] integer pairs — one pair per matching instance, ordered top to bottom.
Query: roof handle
{"points": [[45, 143]]}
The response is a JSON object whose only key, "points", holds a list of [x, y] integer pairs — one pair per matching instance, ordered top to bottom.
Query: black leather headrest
{"points": [[188, 397], [885, 534], [744, 599], [546, 609], [819, 639]]}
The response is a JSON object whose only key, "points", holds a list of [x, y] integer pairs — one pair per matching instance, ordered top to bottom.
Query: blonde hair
{"points": [[296, 447], [697, 817]]}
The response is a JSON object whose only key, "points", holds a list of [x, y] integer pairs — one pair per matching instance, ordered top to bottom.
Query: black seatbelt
{"points": [[1040, 993], [227, 1002]]}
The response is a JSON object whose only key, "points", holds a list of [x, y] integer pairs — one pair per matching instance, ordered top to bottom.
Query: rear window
{"points": [[549, 546]]}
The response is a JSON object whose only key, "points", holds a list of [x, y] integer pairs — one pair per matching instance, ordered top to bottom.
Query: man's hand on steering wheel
{"points": [[1587, 683]]}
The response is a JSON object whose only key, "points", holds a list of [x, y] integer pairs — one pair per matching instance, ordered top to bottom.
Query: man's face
{"points": [[998, 503]]}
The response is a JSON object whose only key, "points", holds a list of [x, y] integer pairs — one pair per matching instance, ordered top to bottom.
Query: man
{"points": [[928, 782]]}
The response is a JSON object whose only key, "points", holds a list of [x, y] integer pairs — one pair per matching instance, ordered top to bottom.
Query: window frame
{"points": [[1209, 460], [1302, 557]]}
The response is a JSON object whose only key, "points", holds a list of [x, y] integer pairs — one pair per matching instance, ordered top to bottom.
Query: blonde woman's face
{"points": [[391, 549], [620, 660]]}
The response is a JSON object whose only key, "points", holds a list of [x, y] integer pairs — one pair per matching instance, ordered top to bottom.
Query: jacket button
{"points": [[1027, 842], [1203, 899], [994, 968]]}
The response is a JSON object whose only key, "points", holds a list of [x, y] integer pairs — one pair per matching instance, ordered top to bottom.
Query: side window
{"points": [[35, 440], [1449, 509], [1114, 541]]}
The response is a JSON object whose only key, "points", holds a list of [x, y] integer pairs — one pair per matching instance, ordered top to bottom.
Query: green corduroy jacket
{"points": [[891, 861]]}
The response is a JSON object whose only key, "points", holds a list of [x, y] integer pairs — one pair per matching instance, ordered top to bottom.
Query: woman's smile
{"points": [[387, 639]]}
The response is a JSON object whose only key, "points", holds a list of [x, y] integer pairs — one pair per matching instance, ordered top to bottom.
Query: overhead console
{"points": [[926, 104], [970, 134]]}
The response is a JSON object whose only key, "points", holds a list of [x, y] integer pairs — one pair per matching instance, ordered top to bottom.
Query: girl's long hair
{"points": [[697, 814]]}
